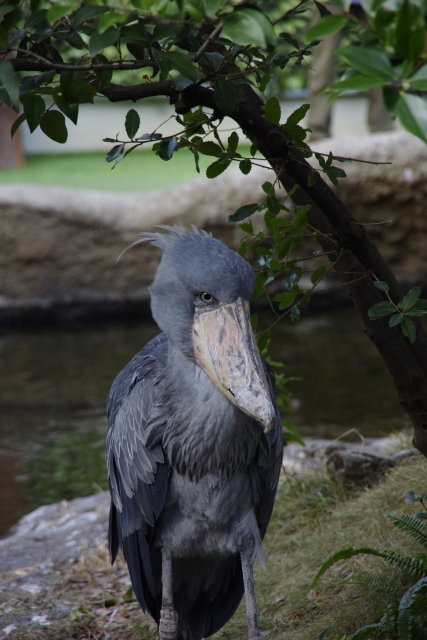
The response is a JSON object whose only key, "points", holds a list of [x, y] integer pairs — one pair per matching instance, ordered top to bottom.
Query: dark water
{"points": [[53, 386]]}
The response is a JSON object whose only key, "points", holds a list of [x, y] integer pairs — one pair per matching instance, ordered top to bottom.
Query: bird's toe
{"points": [[168, 627]]}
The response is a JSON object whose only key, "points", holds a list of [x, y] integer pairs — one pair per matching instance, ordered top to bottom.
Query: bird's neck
{"points": [[205, 432]]}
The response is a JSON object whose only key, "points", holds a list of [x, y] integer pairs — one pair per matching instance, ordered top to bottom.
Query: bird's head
{"points": [[200, 299]]}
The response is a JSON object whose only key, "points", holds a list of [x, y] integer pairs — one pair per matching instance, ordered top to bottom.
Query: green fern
{"points": [[412, 526], [345, 554], [416, 565], [405, 618]]}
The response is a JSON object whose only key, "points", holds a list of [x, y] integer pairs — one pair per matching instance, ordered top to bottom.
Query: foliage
{"points": [[227, 46], [386, 49], [404, 620]]}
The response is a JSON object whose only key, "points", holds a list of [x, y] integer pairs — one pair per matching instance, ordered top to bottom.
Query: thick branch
{"points": [[119, 93]]}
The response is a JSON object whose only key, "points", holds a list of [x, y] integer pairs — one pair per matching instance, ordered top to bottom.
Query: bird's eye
{"points": [[207, 298]]}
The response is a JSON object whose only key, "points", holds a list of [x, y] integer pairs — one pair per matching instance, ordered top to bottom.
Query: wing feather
{"points": [[138, 472]]}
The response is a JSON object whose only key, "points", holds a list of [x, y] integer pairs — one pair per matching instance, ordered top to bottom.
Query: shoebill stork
{"points": [[194, 446]]}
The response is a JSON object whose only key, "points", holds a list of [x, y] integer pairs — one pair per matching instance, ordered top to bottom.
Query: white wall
{"points": [[106, 119]]}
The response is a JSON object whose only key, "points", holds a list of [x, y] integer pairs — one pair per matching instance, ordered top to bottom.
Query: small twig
{"points": [[215, 33], [120, 65], [348, 159], [365, 224]]}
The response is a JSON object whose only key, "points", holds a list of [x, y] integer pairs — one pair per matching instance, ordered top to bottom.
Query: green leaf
{"points": [[212, 7], [4, 9], [59, 11], [87, 12], [327, 25], [249, 26], [410, 35], [99, 41], [370, 62], [181, 63], [419, 79], [71, 82], [264, 82], [356, 83], [9, 85], [87, 93], [224, 96], [34, 108], [69, 109], [272, 110], [412, 113], [298, 114], [132, 123], [17, 124], [53, 126], [233, 141], [166, 148], [209, 148], [115, 152], [245, 166], [216, 168], [334, 173], [312, 177], [268, 188], [273, 205], [243, 212], [247, 227], [318, 274], [260, 281], [381, 285], [285, 299], [410, 299], [420, 304], [380, 310], [295, 314], [395, 320], [254, 321], [408, 329], [263, 340]]}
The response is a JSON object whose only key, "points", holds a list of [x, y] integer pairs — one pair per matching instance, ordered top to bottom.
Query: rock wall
{"points": [[390, 198], [58, 247]]}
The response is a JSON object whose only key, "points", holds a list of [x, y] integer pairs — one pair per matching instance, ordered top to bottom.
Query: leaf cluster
{"points": [[79, 46], [386, 50], [411, 306]]}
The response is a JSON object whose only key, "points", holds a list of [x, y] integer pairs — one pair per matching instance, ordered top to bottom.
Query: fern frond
{"points": [[412, 526], [345, 554], [416, 565], [405, 619], [388, 621], [366, 631]]}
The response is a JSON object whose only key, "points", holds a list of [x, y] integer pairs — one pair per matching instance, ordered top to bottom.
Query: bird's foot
{"points": [[168, 627]]}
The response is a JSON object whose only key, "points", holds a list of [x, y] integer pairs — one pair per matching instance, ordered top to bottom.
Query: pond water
{"points": [[54, 382]]}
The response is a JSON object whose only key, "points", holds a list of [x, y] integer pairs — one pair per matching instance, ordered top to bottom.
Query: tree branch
{"points": [[38, 63], [120, 93]]}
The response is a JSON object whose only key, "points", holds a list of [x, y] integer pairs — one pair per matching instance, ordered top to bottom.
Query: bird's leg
{"points": [[251, 611], [168, 627]]}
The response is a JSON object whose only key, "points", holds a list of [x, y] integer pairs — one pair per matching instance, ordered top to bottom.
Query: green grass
{"points": [[140, 171], [313, 519]]}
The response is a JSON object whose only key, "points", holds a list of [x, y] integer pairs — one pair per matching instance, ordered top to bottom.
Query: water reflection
{"points": [[53, 386]]}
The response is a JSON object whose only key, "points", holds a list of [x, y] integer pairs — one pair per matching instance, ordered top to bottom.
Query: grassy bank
{"points": [[140, 171], [313, 519]]}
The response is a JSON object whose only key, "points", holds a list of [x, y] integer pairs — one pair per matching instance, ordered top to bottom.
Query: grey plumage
{"points": [[192, 476]]}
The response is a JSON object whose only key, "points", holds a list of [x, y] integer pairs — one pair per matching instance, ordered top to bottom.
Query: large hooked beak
{"points": [[225, 347]]}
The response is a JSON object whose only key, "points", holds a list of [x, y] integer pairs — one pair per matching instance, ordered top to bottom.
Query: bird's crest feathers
{"points": [[164, 240]]}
